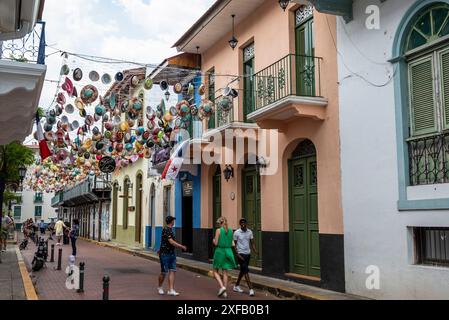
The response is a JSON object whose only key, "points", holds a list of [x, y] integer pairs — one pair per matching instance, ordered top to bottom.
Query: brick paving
{"points": [[132, 278]]}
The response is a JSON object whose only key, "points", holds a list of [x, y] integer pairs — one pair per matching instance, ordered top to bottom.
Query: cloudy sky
{"points": [[132, 30]]}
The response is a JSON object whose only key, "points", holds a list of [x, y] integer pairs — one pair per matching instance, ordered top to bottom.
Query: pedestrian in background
{"points": [[42, 227], [59, 228], [74, 233], [244, 241], [224, 255], [167, 257]]}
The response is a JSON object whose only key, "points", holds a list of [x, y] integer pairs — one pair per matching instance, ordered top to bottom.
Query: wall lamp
{"points": [[284, 4], [228, 172]]}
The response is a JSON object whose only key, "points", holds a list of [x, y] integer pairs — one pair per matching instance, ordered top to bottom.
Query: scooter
{"points": [[23, 245], [41, 255]]}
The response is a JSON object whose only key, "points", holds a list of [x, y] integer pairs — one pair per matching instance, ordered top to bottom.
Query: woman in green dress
{"points": [[224, 255]]}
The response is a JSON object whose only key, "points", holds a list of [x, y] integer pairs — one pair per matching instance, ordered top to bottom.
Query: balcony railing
{"points": [[30, 48], [293, 75], [222, 118], [429, 160], [38, 198], [58, 198]]}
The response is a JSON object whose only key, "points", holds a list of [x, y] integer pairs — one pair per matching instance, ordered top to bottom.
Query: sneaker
{"points": [[238, 289], [161, 291], [221, 291], [173, 293], [251, 293], [225, 295]]}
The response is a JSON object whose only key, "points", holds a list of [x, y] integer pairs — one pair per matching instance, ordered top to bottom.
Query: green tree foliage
{"points": [[12, 156]]}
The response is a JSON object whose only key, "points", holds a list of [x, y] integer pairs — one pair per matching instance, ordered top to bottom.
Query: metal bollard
{"points": [[52, 256], [59, 259], [81, 286], [106, 287]]}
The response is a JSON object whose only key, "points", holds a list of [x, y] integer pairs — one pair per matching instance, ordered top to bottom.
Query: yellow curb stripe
{"points": [[27, 283]]}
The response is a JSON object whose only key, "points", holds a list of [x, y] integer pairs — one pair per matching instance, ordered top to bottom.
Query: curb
{"points": [[30, 291], [278, 291]]}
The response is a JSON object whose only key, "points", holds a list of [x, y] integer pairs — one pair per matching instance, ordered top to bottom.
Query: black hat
{"points": [[170, 219]]}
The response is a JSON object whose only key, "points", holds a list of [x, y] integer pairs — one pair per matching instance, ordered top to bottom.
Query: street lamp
{"points": [[284, 4], [233, 41], [261, 164], [22, 173]]}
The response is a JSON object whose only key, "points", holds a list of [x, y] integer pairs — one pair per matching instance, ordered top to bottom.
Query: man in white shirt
{"points": [[59, 228], [243, 238]]}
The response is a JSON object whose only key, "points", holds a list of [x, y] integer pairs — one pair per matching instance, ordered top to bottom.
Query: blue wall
{"points": [[196, 198]]}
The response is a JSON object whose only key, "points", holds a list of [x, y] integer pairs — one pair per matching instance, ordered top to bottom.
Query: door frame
{"points": [[308, 25], [308, 157], [139, 198], [257, 260]]}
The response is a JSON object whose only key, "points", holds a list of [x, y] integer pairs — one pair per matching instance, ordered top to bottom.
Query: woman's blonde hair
{"points": [[222, 221]]}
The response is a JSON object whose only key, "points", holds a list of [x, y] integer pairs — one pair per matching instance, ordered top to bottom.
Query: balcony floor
{"points": [[20, 89], [277, 114]]}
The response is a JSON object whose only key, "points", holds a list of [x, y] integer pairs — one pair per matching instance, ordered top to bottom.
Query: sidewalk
{"points": [[15, 283], [277, 287]]}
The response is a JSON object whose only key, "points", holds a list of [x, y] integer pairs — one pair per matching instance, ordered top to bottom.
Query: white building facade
{"points": [[394, 104], [34, 205]]}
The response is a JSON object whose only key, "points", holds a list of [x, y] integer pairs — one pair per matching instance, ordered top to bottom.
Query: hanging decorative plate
{"points": [[65, 70], [77, 74], [94, 76], [119, 76], [106, 79], [135, 81], [148, 85], [164, 85], [68, 87], [177, 88], [191, 90], [202, 90], [89, 94], [61, 99], [113, 100], [225, 104], [206, 108], [69, 109], [194, 111]]}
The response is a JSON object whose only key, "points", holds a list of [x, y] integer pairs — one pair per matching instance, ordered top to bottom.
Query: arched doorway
{"points": [[126, 185], [216, 196], [114, 210], [251, 210], [303, 211], [152, 216], [138, 232]]}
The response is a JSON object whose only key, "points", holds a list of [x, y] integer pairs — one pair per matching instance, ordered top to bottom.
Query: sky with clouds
{"points": [[132, 30]]}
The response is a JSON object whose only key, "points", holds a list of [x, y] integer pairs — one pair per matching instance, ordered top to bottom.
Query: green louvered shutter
{"points": [[444, 61], [422, 96]]}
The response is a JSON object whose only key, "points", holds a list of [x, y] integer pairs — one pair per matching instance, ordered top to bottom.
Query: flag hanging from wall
{"points": [[43, 147]]}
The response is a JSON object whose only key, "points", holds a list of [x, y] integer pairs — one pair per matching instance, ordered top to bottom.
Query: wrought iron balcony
{"points": [[30, 49], [293, 75], [289, 88], [429, 160], [90, 190], [57, 199]]}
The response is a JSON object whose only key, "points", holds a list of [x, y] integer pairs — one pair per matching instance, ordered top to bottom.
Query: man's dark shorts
{"points": [[168, 263], [244, 264]]}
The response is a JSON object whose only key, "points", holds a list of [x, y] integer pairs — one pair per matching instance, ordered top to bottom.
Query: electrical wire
{"points": [[355, 73]]}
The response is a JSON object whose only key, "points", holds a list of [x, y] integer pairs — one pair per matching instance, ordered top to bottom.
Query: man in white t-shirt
{"points": [[59, 229], [244, 241]]}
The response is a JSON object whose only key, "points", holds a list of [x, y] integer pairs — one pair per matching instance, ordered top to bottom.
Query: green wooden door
{"points": [[305, 63], [248, 88], [216, 198], [252, 212], [304, 229]]}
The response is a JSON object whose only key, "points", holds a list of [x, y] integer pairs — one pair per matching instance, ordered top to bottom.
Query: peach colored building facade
{"points": [[296, 211]]}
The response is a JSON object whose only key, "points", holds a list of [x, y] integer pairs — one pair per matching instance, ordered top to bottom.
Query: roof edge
{"points": [[201, 22]]}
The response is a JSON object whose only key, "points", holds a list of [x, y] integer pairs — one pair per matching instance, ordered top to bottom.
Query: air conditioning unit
{"points": [[17, 18]]}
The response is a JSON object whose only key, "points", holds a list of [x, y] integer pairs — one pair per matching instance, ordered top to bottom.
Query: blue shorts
{"points": [[168, 263]]}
